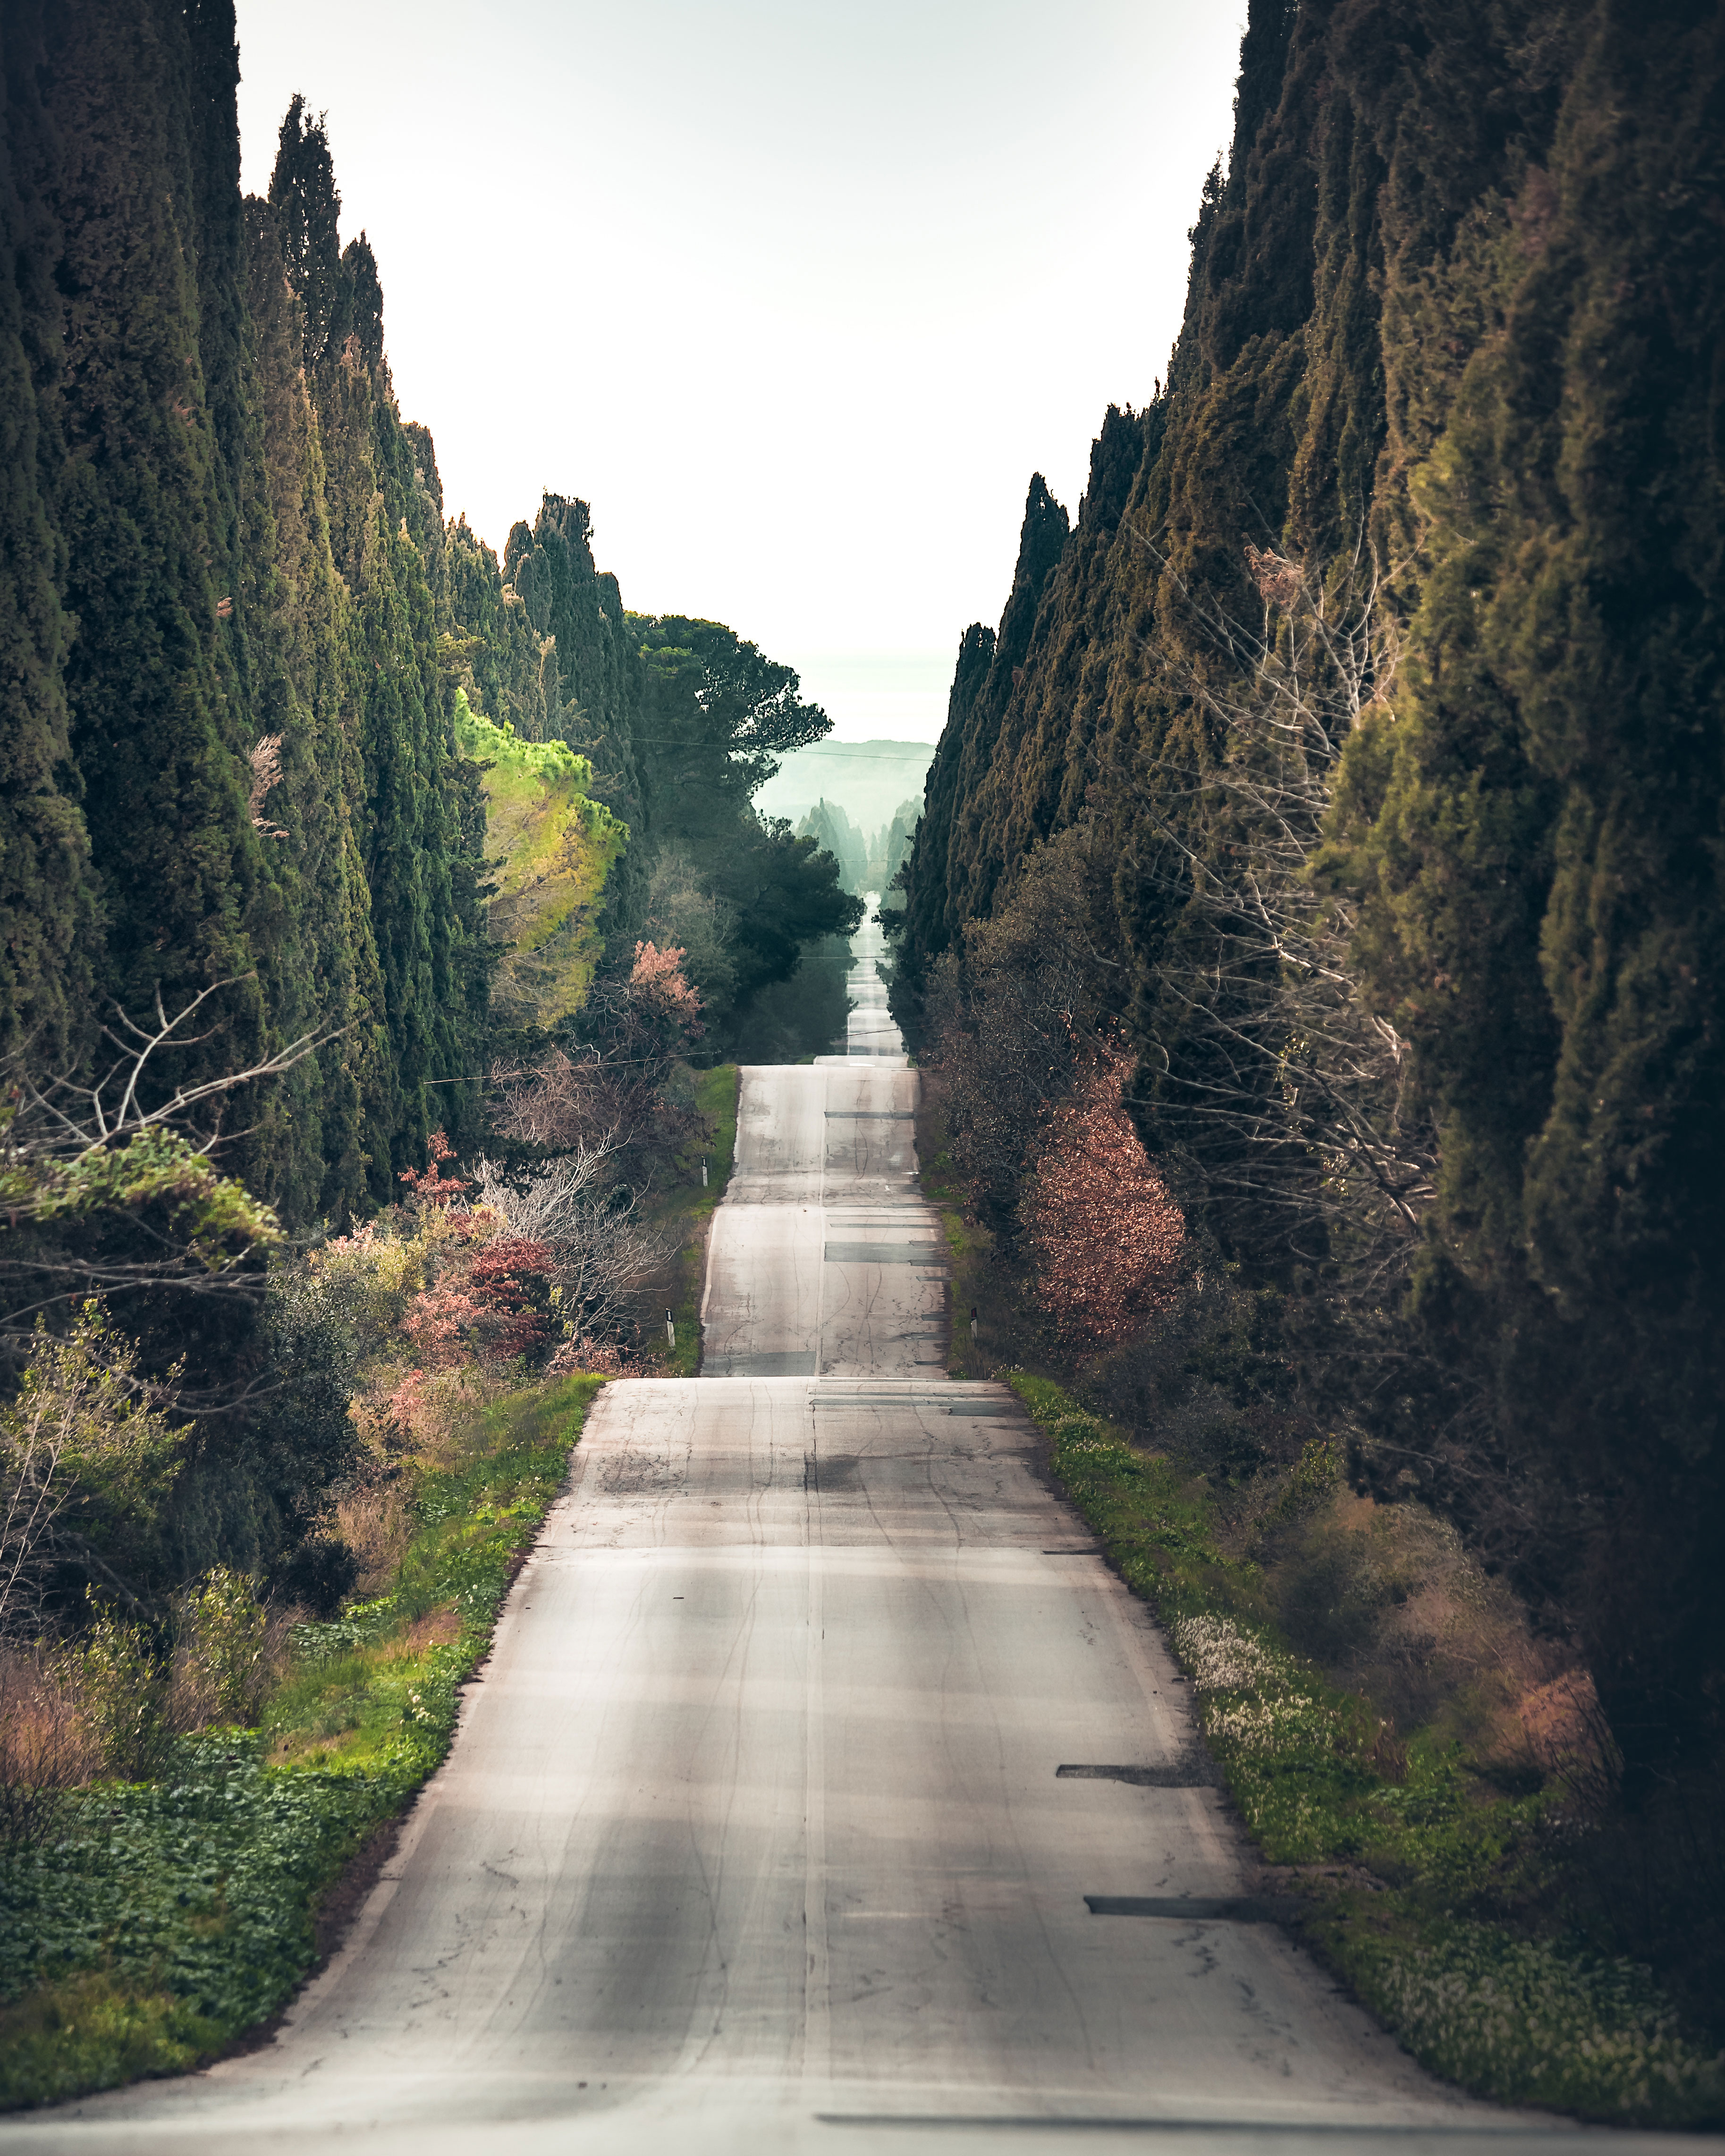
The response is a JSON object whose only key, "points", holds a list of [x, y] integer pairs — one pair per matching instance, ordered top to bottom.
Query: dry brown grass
{"points": [[375, 1519], [1391, 1603], [437, 1628], [47, 1747]]}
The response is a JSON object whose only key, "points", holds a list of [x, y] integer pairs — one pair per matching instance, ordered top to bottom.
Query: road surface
{"points": [[755, 1836]]}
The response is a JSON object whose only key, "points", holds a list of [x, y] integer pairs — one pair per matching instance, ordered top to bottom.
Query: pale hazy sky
{"points": [[796, 293]]}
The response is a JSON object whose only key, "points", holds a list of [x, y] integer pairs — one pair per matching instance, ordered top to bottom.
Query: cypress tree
{"points": [[1452, 322], [143, 507], [566, 597], [509, 669], [320, 800], [1540, 836], [422, 901], [45, 910]]}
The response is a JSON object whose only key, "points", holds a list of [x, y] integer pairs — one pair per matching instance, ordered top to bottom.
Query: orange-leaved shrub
{"points": [[1105, 1238]]}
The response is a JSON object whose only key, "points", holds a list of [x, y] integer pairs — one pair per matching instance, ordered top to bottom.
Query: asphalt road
{"points": [[756, 1837]]}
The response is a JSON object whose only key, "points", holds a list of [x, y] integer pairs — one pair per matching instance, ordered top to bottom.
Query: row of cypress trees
{"points": [[1453, 328], [220, 535], [235, 623]]}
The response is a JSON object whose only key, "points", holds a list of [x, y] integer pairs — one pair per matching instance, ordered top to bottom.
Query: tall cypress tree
{"points": [[1453, 318], [378, 492], [146, 515], [566, 598], [510, 669], [305, 700], [1539, 835], [45, 909]]}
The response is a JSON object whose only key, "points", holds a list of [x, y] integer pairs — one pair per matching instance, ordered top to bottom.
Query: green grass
{"points": [[716, 1096], [692, 1208], [973, 1281], [1412, 1870], [170, 1916]]}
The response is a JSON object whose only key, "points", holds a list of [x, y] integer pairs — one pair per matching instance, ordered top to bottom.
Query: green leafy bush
{"points": [[122, 1689]]}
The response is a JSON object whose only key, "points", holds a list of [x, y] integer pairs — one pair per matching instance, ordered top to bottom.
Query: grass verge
{"points": [[690, 1207], [1413, 1872], [164, 1918]]}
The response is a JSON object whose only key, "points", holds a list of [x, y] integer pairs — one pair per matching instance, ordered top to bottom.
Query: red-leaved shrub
{"points": [[1105, 1237]]}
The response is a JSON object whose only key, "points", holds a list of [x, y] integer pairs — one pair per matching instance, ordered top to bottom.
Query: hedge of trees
{"points": [[1381, 674], [278, 739]]}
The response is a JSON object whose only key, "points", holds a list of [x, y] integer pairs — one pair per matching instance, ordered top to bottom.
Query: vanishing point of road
{"points": [[760, 1833]]}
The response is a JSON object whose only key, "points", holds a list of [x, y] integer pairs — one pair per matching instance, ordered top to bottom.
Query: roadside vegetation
{"points": [[688, 1212], [1415, 1760], [198, 1778], [183, 1802], [1436, 1857]]}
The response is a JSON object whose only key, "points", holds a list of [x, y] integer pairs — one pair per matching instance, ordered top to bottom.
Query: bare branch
{"points": [[1296, 1095]]}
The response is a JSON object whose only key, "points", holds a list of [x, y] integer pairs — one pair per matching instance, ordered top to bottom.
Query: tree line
{"points": [[1352, 765], [324, 830]]}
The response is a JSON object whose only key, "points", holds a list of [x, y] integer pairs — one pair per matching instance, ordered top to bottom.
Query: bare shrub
{"points": [[619, 1091], [1295, 1098], [112, 1146], [552, 1203], [603, 1252], [591, 1357], [47, 1747]]}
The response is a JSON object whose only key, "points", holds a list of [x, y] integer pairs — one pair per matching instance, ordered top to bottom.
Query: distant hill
{"points": [[871, 780]]}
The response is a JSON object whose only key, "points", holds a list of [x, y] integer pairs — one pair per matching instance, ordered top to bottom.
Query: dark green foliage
{"points": [[1453, 325], [174, 491], [144, 506], [384, 508], [552, 572], [234, 623], [509, 669], [305, 702], [715, 715], [228, 753], [1542, 842], [44, 891], [787, 896], [928, 914], [788, 1021], [261, 1470]]}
